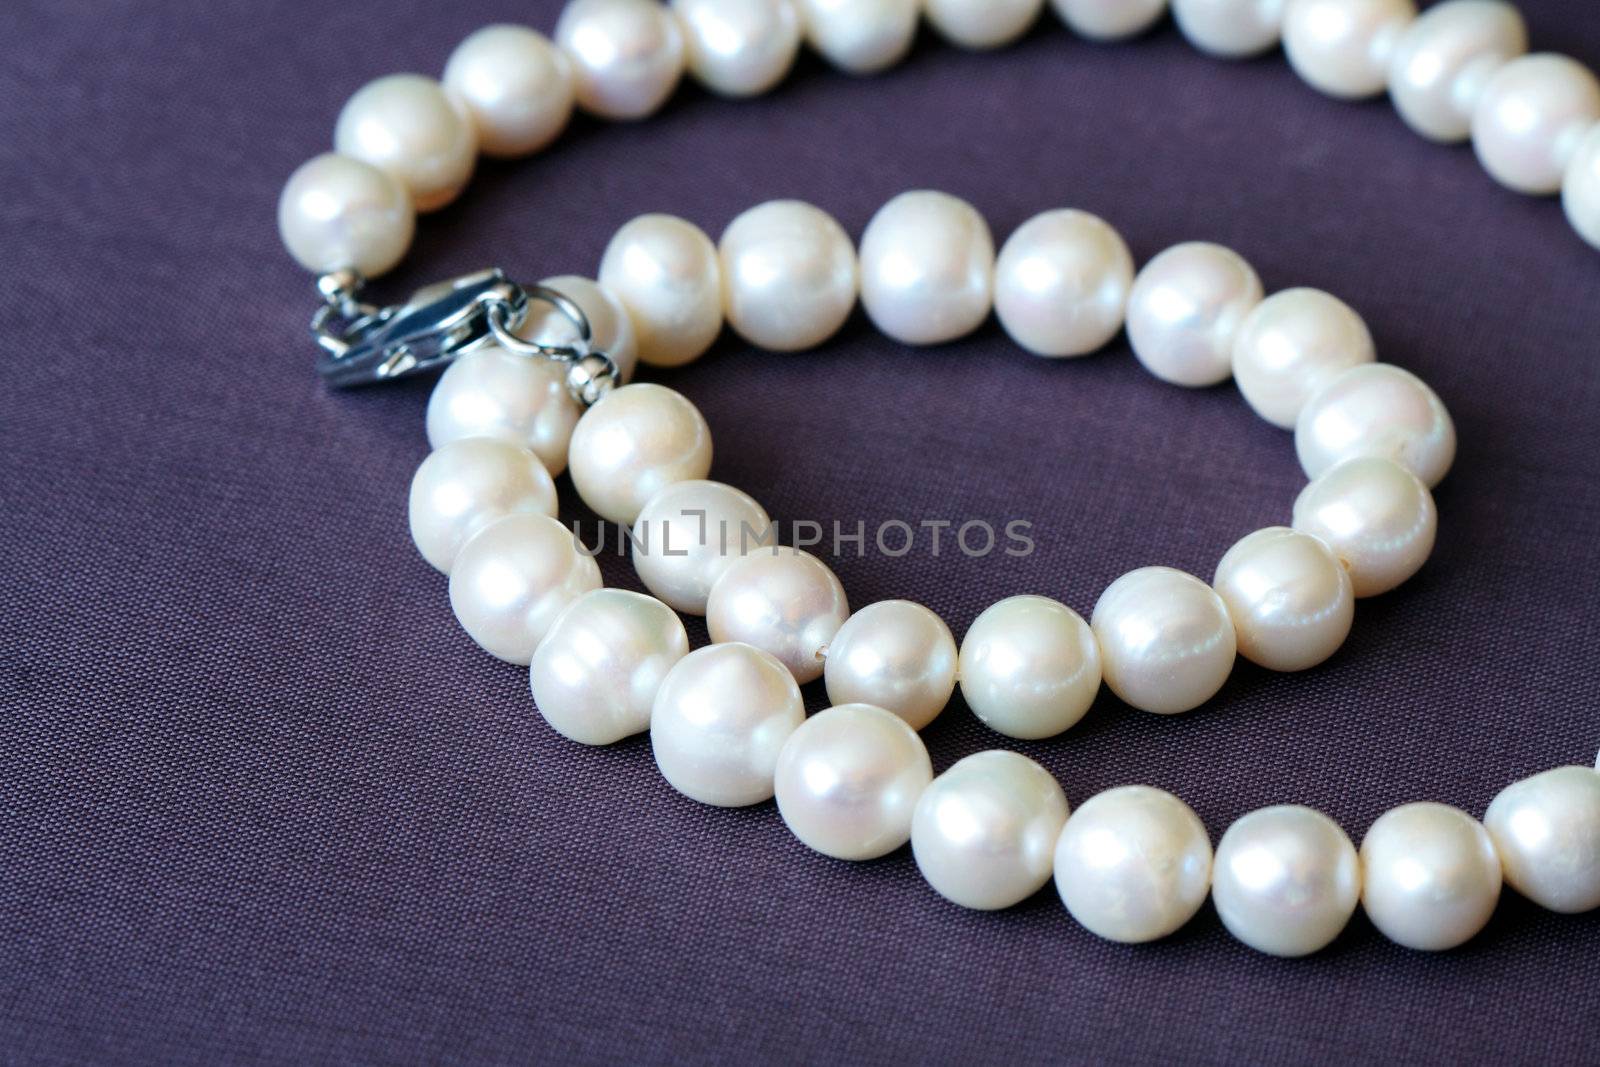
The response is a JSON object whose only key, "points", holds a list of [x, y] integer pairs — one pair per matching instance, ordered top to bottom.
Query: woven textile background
{"points": [[262, 802]]}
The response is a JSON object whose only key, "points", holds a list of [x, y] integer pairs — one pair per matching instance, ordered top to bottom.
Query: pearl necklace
{"points": [[536, 382]]}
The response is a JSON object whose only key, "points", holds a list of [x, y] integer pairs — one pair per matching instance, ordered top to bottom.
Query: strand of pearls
{"points": [[727, 722]]}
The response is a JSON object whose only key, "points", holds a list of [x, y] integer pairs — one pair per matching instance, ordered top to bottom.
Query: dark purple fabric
{"points": [[262, 802]]}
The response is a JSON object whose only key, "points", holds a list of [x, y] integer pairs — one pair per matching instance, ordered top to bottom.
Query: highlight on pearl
{"points": [[1109, 20], [982, 24], [1230, 29], [861, 36], [739, 47], [1342, 47], [627, 55], [1443, 61], [516, 86], [1529, 119], [412, 128], [339, 213], [927, 268], [665, 272], [789, 275], [1061, 283], [1184, 310], [1293, 344], [493, 393], [1377, 410], [632, 444], [468, 484], [1376, 516], [689, 533], [513, 578], [1290, 599], [783, 601], [1166, 640], [895, 655], [1029, 667], [595, 675], [720, 719], [848, 781], [1547, 831], [984, 832], [1133, 864], [1430, 876], [1286, 880]]}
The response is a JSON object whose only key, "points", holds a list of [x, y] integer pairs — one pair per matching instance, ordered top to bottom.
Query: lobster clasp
{"points": [[362, 345]]}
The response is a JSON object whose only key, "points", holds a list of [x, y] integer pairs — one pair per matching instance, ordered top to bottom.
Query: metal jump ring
{"points": [[502, 324]]}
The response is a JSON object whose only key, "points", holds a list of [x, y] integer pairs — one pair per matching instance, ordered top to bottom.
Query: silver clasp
{"points": [[362, 344]]}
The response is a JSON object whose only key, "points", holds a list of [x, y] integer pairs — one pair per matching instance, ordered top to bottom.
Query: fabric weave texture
{"points": [[261, 801]]}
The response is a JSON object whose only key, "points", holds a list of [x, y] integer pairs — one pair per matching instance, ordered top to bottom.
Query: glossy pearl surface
{"points": [[1109, 20], [982, 23], [1230, 29], [861, 36], [739, 47], [1342, 47], [627, 55], [1446, 57], [517, 88], [1530, 118], [409, 127], [1580, 190], [338, 213], [927, 268], [665, 273], [789, 276], [1061, 283], [1184, 309], [610, 328], [1291, 345], [494, 393], [1381, 411], [635, 442], [468, 484], [1376, 516], [689, 533], [513, 578], [782, 601], [1291, 601], [1166, 641], [895, 655], [1029, 667], [595, 675], [720, 719], [849, 779], [1547, 831], [984, 832], [1134, 864], [1430, 877], [1286, 880]]}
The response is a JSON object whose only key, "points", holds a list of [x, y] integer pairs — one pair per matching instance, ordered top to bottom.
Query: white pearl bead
{"points": [[1109, 20], [982, 24], [1230, 29], [861, 36], [739, 47], [1342, 47], [627, 55], [1441, 64], [516, 85], [1530, 118], [411, 128], [1580, 190], [338, 213], [927, 268], [664, 271], [789, 276], [1061, 284], [1184, 309], [610, 328], [1293, 344], [494, 393], [1377, 410], [635, 442], [468, 484], [1378, 518], [689, 533], [513, 578], [1290, 598], [782, 601], [1166, 640], [895, 655], [1029, 667], [595, 676], [720, 719], [849, 779], [1547, 831], [984, 832], [1134, 864], [1430, 877], [1286, 880]]}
